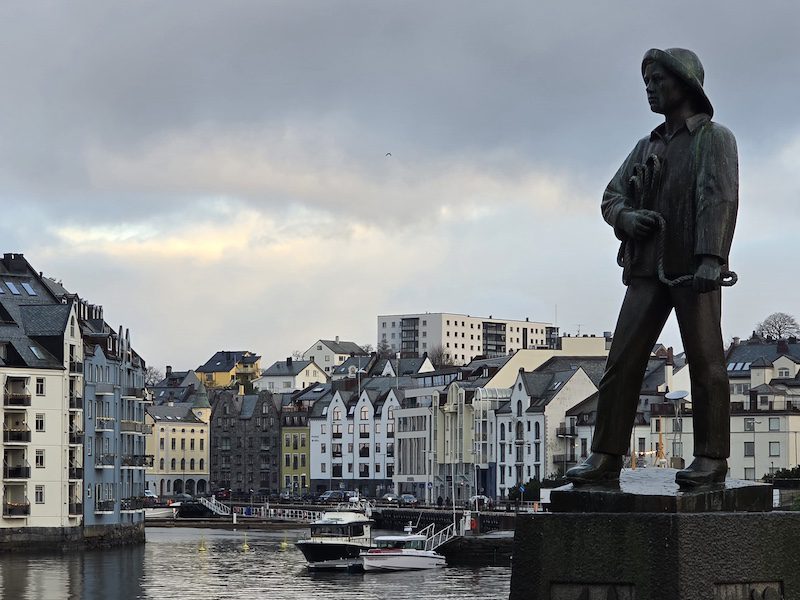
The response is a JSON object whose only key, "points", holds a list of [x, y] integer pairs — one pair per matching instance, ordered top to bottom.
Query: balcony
{"points": [[75, 367], [103, 388], [132, 392], [16, 399], [75, 402], [104, 424], [126, 426], [566, 431], [17, 435], [337, 435], [75, 437], [519, 441], [561, 459], [137, 460], [104, 461], [17, 471], [75, 472], [131, 504], [104, 506], [75, 508], [16, 510]]}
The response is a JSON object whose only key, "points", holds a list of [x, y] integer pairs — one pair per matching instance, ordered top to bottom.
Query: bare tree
{"points": [[778, 326], [368, 348], [297, 355], [439, 357], [152, 376]]}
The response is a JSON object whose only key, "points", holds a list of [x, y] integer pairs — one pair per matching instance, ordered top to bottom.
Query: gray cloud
{"points": [[144, 140]]}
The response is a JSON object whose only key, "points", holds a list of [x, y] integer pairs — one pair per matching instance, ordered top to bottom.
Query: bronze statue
{"points": [[673, 204]]}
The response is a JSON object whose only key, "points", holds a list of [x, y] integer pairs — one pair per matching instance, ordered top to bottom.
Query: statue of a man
{"points": [[673, 204]]}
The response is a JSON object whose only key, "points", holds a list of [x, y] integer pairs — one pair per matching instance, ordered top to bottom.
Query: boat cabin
{"points": [[404, 542]]}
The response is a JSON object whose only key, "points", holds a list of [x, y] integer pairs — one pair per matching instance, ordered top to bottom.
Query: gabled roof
{"points": [[45, 320], [341, 347], [756, 352], [225, 360], [358, 362], [403, 366], [593, 366], [284, 368], [180, 412]]}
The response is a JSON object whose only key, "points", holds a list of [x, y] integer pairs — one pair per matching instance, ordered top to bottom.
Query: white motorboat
{"points": [[338, 538], [401, 553]]}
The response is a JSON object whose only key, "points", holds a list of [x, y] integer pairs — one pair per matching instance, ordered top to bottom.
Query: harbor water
{"points": [[172, 565]]}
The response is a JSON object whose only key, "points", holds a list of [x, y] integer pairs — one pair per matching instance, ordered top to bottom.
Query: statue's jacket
{"points": [[697, 194]]}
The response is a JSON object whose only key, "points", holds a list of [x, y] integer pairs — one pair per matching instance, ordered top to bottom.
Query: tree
{"points": [[778, 326], [368, 348], [384, 350], [297, 355], [439, 357], [152, 376]]}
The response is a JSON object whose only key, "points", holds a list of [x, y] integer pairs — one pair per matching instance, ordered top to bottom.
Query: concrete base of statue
{"points": [[647, 540]]}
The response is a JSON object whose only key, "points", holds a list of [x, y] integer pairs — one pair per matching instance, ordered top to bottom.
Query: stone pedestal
{"points": [[664, 552]]}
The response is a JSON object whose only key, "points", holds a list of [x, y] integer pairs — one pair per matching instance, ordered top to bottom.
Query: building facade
{"points": [[462, 337], [329, 354], [230, 368], [245, 442], [179, 444]]}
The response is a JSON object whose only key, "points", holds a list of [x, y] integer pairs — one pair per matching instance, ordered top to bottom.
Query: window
{"points": [[783, 372], [40, 386], [39, 421], [774, 423], [749, 424], [657, 425], [173, 443], [183, 443], [202, 444], [677, 448], [774, 448], [749, 449], [40, 459], [287, 460], [161, 464], [173, 464], [183, 464], [202, 464], [322, 468], [750, 473], [39, 494]]}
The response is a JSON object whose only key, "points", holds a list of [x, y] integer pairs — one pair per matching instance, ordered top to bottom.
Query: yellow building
{"points": [[228, 368], [179, 444], [295, 450]]}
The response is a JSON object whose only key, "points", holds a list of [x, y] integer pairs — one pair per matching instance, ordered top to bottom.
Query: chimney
{"points": [[15, 263], [337, 339], [736, 341], [783, 347], [289, 361], [169, 370], [241, 390]]}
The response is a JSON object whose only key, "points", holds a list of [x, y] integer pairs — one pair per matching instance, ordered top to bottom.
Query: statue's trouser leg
{"points": [[644, 311], [699, 321]]}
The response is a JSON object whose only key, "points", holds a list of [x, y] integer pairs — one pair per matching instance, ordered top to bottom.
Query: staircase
{"points": [[215, 506], [435, 539]]}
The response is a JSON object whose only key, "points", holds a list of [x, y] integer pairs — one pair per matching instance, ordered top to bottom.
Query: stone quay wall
{"points": [[48, 539]]}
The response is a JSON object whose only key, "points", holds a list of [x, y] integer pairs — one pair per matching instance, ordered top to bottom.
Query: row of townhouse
{"points": [[73, 412]]}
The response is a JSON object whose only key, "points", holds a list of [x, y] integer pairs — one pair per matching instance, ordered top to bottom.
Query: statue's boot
{"points": [[597, 468], [703, 471]]}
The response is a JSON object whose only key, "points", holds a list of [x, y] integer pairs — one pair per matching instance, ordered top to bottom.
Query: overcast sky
{"points": [[215, 173]]}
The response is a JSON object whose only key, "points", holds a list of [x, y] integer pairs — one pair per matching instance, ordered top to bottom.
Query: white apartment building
{"points": [[462, 337], [41, 378], [353, 441]]}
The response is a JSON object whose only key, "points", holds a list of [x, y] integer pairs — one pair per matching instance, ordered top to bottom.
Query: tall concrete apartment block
{"points": [[462, 337]]}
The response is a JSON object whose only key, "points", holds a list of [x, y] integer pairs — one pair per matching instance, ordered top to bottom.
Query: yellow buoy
{"points": [[284, 545], [202, 546], [245, 546]]}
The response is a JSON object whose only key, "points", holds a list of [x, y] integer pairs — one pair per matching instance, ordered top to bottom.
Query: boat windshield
{"points": [[337, 530], [401, 544]]}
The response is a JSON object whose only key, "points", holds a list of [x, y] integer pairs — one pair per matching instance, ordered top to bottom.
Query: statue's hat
{"points": [[685, 64]]}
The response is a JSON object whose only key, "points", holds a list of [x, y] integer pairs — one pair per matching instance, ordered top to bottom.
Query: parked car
{"points": [[223, 494], [332, 496], [182, 497], [310, 497], [390, 498], [408, 500]]}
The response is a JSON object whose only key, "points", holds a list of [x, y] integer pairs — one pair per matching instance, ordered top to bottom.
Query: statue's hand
{"points": [[638, 224], [706, 277]]}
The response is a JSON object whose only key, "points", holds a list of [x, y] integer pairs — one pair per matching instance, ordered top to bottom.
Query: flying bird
{"points": [[388, 154]]}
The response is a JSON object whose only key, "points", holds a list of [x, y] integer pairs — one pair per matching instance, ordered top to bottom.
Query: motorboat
{"points": [[338, 538], [401, 553]]}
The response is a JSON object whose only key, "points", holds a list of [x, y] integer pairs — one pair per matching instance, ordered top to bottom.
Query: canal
{"points": [[170, 566]]}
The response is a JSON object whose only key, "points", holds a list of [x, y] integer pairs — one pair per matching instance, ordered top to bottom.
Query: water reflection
{"points": [[171, 565]]}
